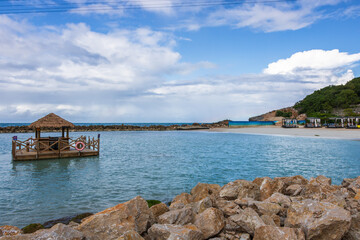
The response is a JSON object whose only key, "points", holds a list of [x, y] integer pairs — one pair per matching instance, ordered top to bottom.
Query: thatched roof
{"points": [[51, 120]]}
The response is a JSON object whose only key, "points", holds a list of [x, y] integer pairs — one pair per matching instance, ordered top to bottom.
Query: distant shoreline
{"points": [[120, 127], [330, 133]]}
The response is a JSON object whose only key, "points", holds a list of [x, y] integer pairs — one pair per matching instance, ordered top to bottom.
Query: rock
{"points": [[298, 179], [320, 180], [269, 186], [354, 186], [240, 189], [203, 190], [248, 190], [293, 190], [230, 191], [318, 191], [280, 199], [180, 201], [200, 206], [266, 207], [229, 208], [158, 210], [178, 216], [249, 220], [268, 220], [277, 220], [318, 220], [115, 221], [210, 222], [73, 224], [231, 226], [7, 230], [171, 231], [354, 231], [58, 232], [277, 233], [131, 235], [244, 236]]}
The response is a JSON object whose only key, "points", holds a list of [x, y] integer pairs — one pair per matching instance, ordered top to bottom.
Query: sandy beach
{"points": [[337, 133]]}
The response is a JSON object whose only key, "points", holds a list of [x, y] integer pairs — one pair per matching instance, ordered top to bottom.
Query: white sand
{"points": [[337, 133]]}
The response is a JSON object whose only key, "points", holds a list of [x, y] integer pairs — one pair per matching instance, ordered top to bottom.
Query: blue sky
{"points": [[171, 60]]}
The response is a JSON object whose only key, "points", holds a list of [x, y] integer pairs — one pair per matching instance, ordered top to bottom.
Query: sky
{"points": [[171, 60]]}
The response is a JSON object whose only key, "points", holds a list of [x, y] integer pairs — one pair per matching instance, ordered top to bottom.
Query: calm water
{"points": [[158, 165]]}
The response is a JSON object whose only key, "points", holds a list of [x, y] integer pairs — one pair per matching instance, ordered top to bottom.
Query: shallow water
{"points": [[158, 165]]}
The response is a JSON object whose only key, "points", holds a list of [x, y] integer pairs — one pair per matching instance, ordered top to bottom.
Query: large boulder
{"points": [[320, 180], [352, 184], [269, 186], [240, 189], [203, 190], [280, 199], [180, 201], [202, 205], [229, 208], [267, 208], [158, 210], [178, 216], [248, 220], [319, 220], [115, 221], [210, 222], [7, 230], [171, 231], [354, 231], [57, 232], [277, 233]]}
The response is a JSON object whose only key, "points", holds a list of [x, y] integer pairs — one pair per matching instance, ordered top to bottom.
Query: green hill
{"points": [[332, 101]]}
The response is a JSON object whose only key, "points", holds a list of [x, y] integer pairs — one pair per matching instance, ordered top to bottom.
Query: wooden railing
{"points": [[48, 145]]}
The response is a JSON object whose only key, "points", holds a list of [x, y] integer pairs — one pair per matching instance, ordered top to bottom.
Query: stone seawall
{"points": [[122, 127], [289, 208]]}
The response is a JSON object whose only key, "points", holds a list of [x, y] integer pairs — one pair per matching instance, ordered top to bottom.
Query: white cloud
{"points": [[271, 16], [316, 66]]}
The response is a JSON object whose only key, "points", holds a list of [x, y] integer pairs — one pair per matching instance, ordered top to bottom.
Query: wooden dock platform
{"points": [[43, 148]]}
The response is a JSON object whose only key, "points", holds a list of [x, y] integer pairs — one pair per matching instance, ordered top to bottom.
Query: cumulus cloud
{"points": [[329, 67]]}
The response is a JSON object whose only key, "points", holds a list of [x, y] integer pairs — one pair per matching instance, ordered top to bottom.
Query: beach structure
{"points": [[312, 122], [336, 122], [353, 122], [289, 123], [238, 124], [53, 147]]}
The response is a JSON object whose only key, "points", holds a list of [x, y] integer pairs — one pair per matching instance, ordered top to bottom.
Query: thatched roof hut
{"points": [[51, 121]]}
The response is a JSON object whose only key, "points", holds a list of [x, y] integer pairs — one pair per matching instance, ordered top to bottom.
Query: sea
{"points": [[158, 165]]}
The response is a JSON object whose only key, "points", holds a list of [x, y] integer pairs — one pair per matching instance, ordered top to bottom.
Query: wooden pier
{"points": [[54, 147]]}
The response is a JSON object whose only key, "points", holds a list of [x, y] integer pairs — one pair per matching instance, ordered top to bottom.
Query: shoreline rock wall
{"points": [[121, 127], [289, 208]]}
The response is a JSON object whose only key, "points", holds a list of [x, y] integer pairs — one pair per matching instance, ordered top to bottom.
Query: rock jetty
{"points": [[120, 127], [288, 208]]}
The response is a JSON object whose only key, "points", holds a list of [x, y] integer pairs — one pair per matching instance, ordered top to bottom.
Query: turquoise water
{"points": [[158, 165]]}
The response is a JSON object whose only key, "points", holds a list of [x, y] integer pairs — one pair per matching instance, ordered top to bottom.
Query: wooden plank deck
{"points": [[23, 155]]}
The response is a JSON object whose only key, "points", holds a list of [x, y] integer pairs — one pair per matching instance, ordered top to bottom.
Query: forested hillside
{"points": [[330, 100]]}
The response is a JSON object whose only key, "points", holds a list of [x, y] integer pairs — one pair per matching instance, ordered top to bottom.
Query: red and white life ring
{"points": [[81, 147]]}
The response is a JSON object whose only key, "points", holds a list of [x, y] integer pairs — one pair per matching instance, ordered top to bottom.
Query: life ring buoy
{"points": [[81, 147]]}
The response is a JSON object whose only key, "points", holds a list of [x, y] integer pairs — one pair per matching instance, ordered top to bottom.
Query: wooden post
{"points": [[98, 143], [27, 146], [14, 150]]}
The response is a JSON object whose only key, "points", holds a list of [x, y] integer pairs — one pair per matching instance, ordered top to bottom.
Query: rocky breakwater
{"points": [[120, 127], [289, 208]]}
